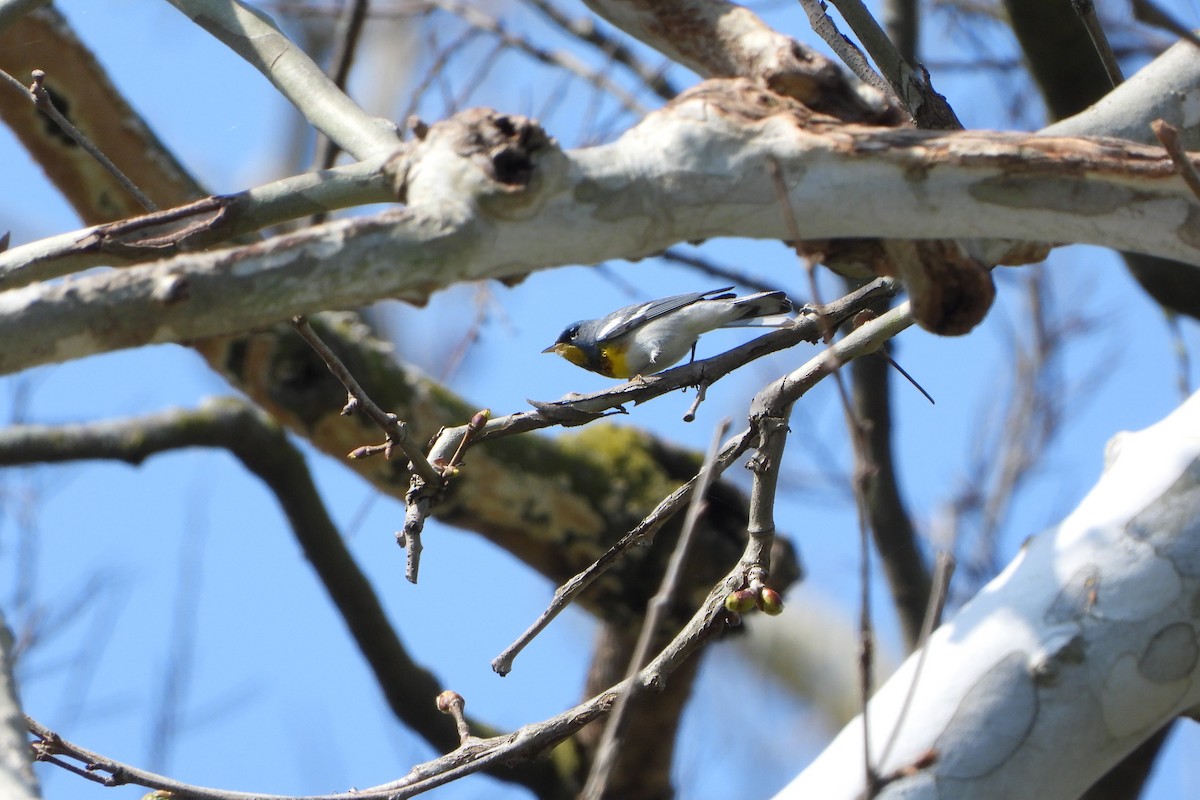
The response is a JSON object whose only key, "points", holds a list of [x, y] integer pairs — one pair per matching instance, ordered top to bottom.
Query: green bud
{"points": [[740, 601], [770, 601]]}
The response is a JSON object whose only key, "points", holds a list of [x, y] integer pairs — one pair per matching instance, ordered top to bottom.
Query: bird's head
{"points": [[573, 348]]}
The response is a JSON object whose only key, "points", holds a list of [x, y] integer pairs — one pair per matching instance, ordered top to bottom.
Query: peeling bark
{"points": [[699, 168], [1076, 654]]}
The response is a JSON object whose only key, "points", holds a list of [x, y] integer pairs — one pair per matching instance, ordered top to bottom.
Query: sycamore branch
{"points": [[254, 36], [492, 196], [1078, 652]]}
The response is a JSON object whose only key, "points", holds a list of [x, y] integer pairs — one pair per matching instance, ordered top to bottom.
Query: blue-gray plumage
{"points": [[645, 338]]}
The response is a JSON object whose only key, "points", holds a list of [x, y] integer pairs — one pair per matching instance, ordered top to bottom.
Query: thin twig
{"points": [[1086, 10], [1149, 13], [475, 17], [902, 20], [587, 31], [346, 39], [846, 50], [436, 69], [913, 89], [41, 98], [1168, 135], [715, 270], [908, 377], [701, 394], [578, 409], [395, 430], [864, 472], [426, 483], [641, 533], [895, 538], [943, 571], [452, 703], [535, 738], [606, 751]]}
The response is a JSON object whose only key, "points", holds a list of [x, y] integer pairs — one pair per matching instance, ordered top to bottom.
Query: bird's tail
{"points": [[763, 310]]}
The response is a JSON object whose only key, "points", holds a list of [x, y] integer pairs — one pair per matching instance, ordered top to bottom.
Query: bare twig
{"points": [[1086, 10], [1150, 13], [475, 17], [902, 20], [586, 30], [347, 36], [346, 40], [846, 50], [914, 90], [41, 98], [1168, 134], [708, 267], [908, 377], [701, 393], [579, 409], [395, 430], [264, 449], [863, 475], [427, 482], [643, 532], [895, 537], [943, 571], [452, 703], [607, 750]]}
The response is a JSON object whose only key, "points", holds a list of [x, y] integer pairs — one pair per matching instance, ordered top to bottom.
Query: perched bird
{"points": [[649, 337]]}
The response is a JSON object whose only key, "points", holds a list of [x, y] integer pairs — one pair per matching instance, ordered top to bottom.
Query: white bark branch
{"points": [[255, 37], [718, 39], [1168, 88], [697, 169], [149, 238], [1082, 648], [17, 781]]}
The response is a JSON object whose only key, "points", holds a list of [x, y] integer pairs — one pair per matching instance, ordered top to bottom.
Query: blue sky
{"points": [[277, 698]]}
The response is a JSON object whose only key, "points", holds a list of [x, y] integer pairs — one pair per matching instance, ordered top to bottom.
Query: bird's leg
{"points": [[701, 391]]}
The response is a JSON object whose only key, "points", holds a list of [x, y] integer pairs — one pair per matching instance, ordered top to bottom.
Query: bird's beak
{"points": [[554, 348]]}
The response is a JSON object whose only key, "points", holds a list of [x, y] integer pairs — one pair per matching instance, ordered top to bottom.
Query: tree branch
{"points": [[12, 10], [255, 37], [717, 39], [929, 109], [461, 221], [197, 225], [263, 448], [1077, 653], [17, 781]]}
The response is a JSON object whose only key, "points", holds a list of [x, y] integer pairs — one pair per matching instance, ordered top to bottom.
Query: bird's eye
{"points": [[570, 333]]}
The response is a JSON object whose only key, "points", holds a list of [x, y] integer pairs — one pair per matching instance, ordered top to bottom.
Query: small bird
{"points": [[649, 337]]}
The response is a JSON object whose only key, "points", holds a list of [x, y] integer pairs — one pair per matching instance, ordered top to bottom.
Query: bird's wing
{"points": [[628, 318]]}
